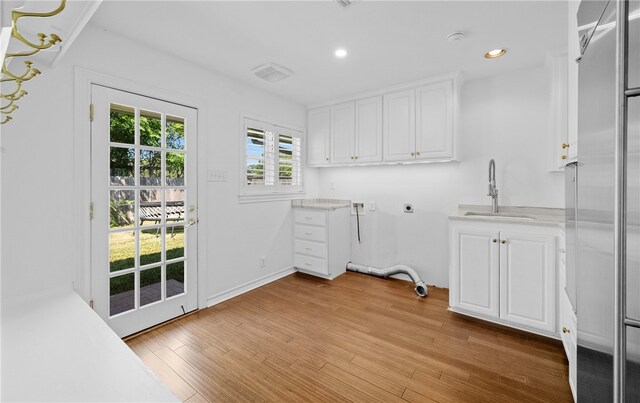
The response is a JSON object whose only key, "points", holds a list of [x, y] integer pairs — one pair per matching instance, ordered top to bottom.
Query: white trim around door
{"points": [[83, 81]]}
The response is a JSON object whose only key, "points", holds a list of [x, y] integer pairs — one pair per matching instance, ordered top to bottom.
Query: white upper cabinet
{"points": [[434, 121], [409, 123], [400, 125], [343, 133], [318, 136], [368, 142]]}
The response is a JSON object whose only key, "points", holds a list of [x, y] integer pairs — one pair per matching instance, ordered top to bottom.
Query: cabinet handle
{"points": [[565, 145], [417, 152], [412, 154], [356, 157], [564, 157], [326, 158], [308, 218], [308, 233], [494, 240], [503, 241], [307, 248], [563, 251], [307, 264], [565, 330]]}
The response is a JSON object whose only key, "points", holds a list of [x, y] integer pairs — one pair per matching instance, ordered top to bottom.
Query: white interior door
{"points": [[144, 192]]}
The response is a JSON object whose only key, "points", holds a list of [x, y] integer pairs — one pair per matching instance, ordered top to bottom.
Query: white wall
{"points": [[503, 117], [37, 169]]}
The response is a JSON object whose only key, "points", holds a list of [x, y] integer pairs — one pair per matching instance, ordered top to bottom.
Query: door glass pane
{"points": [[122, 124], [150, 129], [175, 133], [122, 166], [150, 168], [175, 169], [175, 205], [150, 207], [122, 209], [174, 242], [150, 246], [122, 250], [175, 279], [150, 286], [121, 292]]}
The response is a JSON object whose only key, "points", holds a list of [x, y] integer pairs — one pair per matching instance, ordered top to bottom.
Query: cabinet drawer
{"points": [[310, 217], [310, 233], [310, 248], [311, 264]]}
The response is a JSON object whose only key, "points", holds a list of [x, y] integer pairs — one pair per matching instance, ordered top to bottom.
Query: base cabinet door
{"points": [[475, 270], [527, 277]]}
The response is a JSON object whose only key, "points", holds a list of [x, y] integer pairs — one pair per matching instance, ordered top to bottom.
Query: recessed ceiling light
{"points": [[341, 53], [492, 54]]}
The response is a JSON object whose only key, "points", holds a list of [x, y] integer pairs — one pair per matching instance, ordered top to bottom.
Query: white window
{"points": [[272, 160]]}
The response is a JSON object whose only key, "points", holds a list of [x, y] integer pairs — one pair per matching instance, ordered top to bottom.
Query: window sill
{"points": [[269, 197]]}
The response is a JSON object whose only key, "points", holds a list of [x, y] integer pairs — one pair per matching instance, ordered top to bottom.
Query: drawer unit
{"points": [[309, 217], [310, 233], [322, 240], [317, 249], [311, 264]]}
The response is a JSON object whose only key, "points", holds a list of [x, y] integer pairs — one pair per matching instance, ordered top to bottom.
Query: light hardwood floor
{"points": [[357, 338]]}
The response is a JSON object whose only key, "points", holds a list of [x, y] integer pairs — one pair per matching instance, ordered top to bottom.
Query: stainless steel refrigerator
{"points": [[607, 217]]}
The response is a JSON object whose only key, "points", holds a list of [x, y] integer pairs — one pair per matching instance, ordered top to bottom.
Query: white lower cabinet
{"points": [[322, 241], [477, 269], [505, 273], [567, 320]]}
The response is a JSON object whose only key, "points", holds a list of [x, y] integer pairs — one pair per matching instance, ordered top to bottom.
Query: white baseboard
{"points": [[251, 285]]}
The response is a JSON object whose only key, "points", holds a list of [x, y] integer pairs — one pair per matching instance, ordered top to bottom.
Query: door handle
{"points": [[192, 221]]}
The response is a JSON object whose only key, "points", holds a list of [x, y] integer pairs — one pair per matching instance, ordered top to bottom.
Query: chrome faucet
{"points": [[493, 190]]}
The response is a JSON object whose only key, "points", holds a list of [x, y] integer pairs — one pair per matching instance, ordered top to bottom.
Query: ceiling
{"points": [[389, 42]]}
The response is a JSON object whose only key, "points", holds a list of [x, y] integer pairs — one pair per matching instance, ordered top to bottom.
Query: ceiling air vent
{"points": [[344, 3], [272, 72]]}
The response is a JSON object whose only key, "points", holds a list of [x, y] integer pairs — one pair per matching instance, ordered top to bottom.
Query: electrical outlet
{"points": [[360, 206], [408, 208], [263, 261]]}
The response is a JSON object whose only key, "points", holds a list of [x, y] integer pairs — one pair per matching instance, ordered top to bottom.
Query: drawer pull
{"points": [[308, 218], [308, 233], [494, 240], [503, 241], [307, 248], [563, 251], [307, 264], [565, 330]]}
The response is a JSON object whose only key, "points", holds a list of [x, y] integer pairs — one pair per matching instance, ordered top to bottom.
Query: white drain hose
{"points": [[421, 286]]}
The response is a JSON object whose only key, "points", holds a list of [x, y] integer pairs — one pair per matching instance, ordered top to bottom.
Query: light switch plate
{"points": [[217, 175]]}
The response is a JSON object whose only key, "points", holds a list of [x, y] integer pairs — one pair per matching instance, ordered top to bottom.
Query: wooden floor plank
{"points": [[357, 338]]}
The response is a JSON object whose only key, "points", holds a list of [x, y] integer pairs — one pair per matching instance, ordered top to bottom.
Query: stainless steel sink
{"points": [[506, 216]]}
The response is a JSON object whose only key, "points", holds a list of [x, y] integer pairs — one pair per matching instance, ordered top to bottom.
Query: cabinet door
{"points": [[434, 119], [400, 126], [369, 130], [343, 132], [318, 136], [475, 270], [527, 279]]}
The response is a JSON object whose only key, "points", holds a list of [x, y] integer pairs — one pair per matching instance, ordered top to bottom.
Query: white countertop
{"points": [[321, 204], [550, 217], [55, 348]]}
